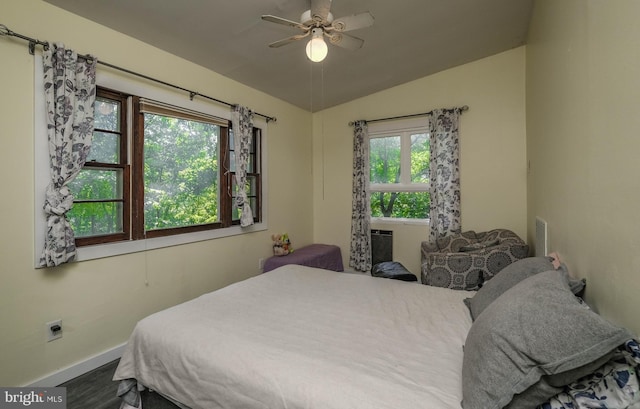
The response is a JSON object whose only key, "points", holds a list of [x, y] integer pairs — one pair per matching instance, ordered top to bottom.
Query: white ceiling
{"points": [[410, 39]]}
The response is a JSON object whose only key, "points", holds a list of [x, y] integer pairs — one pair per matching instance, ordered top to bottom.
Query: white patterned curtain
{"points": [[70, 92], [242, 122], [444, 173], [360, 252]]}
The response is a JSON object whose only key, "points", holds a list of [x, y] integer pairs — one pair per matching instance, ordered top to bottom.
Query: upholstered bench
{"points": [[326, 256]]}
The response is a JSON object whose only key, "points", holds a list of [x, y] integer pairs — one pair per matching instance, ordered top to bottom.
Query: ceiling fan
{"points": [[318, 22]]}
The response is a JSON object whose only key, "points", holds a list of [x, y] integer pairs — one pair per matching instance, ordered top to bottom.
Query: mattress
{"points": [[301, 337]]}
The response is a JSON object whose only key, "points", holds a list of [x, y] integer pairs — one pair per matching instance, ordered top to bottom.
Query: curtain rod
{"points": [[4, 31], [462, 108]]}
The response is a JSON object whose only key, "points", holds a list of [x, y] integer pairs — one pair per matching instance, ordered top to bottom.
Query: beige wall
{"points": [[581, 91], [583, 94], [492, 149], [100, 301]]}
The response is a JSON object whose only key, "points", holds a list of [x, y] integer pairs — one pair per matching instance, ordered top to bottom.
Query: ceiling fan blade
{"points": [[320, 9], [284, 21], [353, 22], [289, 40], [345, 41]]}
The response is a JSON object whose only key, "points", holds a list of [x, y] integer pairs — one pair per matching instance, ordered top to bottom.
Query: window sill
{"points": [[393, 220], [134, 246]]}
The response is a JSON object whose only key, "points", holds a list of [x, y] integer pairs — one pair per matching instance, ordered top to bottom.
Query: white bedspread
{"points": [[299, 337]]}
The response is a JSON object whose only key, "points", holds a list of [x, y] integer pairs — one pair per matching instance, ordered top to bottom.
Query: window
{"points": [[399, 170], [179, 177], [101, 189], [109, 192]]}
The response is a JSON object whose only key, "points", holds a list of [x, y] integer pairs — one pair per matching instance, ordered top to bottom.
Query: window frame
{"points": [[133, 86], [403, 128], [126, 179], [139, 231]]}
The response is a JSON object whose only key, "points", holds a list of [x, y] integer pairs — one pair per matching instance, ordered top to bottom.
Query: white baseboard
{"points": [[77, 369]]}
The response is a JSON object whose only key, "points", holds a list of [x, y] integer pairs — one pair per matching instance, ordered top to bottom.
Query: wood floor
{"points": [[96, 390]]}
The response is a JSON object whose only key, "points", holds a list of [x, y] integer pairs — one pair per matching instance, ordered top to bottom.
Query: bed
{"points": [[301, 337]]}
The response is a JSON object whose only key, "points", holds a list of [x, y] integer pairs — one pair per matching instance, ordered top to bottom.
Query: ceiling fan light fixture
{"points": [[318, 22], [316, 47]]}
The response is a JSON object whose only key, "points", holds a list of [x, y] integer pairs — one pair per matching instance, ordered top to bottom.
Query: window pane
{"points": [[107, 114], [105, 148], [232, 152], [420, 158], [384, 159], [232, 161], [251, 165], [180, 172], [97, 184], [253, 185], [251, 188], [252, 195], [409, 205], [235, 211], [91, 219]]}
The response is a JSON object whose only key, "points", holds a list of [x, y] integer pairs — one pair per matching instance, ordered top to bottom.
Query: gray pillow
{"points": [[505, 279], [536, 328], [550, 385]]}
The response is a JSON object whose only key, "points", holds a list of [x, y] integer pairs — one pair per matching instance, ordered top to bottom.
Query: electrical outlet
{"points": [[261, 264], [54, 330]]}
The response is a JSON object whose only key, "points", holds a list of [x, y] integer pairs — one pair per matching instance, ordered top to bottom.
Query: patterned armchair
{"points": [[464, 261]]}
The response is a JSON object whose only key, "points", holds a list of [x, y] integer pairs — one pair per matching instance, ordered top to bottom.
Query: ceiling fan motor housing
{"points": [[307, 19]]}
